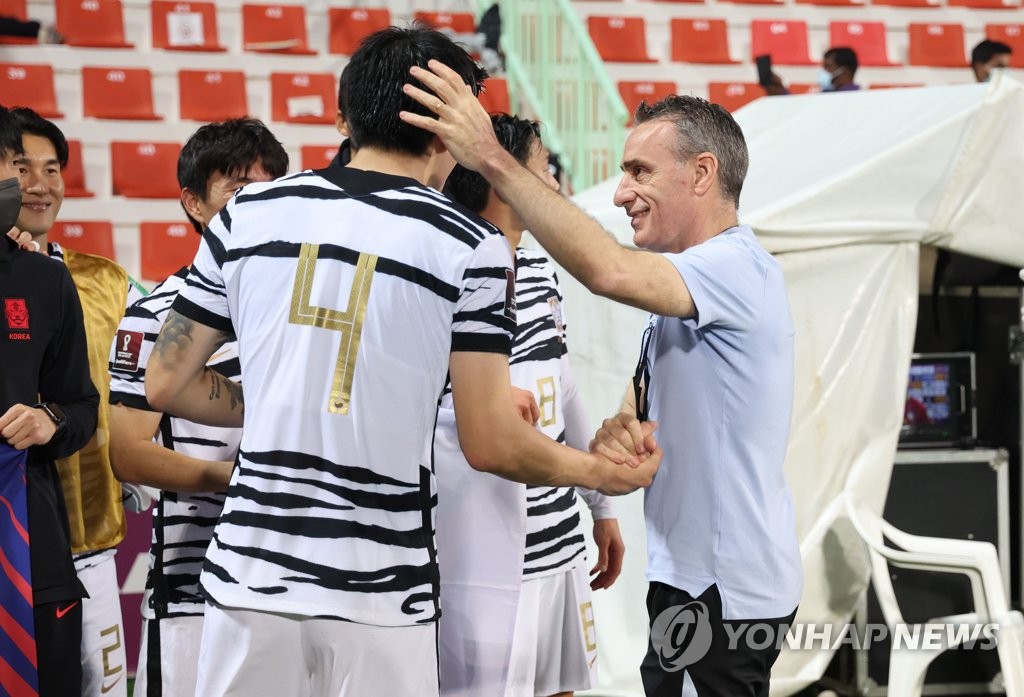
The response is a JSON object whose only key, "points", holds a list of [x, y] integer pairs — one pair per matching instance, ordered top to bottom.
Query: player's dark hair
{"points": [[32, 123], [517, 136]]}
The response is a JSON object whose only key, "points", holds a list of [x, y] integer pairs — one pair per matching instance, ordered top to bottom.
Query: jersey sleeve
{"points": [[726, 281], [204, 298], [485, 312], [129, 354]]}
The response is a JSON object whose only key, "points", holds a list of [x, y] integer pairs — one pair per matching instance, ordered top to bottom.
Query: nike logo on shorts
{"points": [[63, 611]]}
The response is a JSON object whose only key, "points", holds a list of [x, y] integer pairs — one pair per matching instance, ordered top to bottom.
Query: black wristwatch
{"points": [[55, 413]]}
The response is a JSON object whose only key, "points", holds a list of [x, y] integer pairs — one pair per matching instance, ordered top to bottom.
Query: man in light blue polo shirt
{"points": [[716, 372]]}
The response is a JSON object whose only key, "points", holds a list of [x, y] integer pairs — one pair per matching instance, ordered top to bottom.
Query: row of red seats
{"points": [[972, 4], [192, 26], [624, 39], [203, 95], [164, 247]]}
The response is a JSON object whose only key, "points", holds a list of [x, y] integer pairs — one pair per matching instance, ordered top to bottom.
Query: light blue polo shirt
{"points": [[721, 389]]}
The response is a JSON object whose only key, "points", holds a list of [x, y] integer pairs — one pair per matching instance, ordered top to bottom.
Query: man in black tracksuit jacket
{"points": [[47, 404]]}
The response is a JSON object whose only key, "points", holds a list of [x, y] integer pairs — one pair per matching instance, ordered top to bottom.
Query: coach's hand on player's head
{"points": [[462, 123], [526, 405], [624, 439]]}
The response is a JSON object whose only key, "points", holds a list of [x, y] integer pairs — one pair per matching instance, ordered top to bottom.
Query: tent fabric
{"points": [[843, 188]]}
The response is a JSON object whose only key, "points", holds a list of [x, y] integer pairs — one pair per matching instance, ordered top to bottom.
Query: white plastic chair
{"points": [[976, 560]]}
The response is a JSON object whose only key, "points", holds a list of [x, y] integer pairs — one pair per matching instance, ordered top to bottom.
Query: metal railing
{"points": [[553, 68]]}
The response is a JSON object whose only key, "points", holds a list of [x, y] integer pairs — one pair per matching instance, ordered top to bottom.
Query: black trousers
{"points": [[690, 643], [59, 648]]}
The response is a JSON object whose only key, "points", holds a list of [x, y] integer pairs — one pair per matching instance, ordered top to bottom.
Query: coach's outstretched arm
{"points": [[573, 238], [178, 381], [495, 439]]}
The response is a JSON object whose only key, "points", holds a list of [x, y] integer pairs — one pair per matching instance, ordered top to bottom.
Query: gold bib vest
{"points": [[92, 493]]}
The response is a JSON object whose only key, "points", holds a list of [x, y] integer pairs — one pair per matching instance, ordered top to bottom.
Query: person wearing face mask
{"points": [[989, 56], [838, 66], [48, 410], [93, 494]]}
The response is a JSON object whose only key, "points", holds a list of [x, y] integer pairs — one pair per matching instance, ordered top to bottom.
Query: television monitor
{"points": [[939, 410]]}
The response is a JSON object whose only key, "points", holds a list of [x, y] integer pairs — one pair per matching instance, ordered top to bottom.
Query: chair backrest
{"points": [[756, 2], [833, 3], [908, 3], [986, 4], [14, 8], [458, 22], [91, 23], [350, 25], [184, 26], [275, 29], [1011, 35], [866, 38], [619, 39], [700, 41], [784, 41], [937, 45], [31, 85], [118, 93], [633, 93], [212, 95], [733, 95], [303, 97], [495, 97], [317, 156], [145, 170], [74, 173], [88, 236], [165, 247], [869, 526]]}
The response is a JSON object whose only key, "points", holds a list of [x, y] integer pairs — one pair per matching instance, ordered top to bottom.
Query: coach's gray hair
{"points": [[704, 127]]}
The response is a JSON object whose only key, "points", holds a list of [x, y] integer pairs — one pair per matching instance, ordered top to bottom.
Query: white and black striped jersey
{"points": [[347, 291], [539, 363], [182, 522]]}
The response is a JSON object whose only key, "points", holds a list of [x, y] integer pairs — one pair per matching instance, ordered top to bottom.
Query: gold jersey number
{"points": [[348, 322]]}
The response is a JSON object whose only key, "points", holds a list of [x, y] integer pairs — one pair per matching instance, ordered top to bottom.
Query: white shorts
{"points": [[555, 645], [249, 653], [169, 657], [104, 669]]}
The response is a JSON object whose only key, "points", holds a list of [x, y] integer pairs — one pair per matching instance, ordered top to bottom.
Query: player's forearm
{"points": [[206, 397], [525, 455], [145, 462]]}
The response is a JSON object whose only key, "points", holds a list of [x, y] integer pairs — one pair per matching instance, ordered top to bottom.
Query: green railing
{"points": [[554, 71]]}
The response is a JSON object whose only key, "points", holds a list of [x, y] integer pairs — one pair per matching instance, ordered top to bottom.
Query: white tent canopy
{"points": [[843, 188]]}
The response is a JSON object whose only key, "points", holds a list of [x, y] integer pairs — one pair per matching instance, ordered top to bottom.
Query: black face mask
{"points": [[10, 204]]}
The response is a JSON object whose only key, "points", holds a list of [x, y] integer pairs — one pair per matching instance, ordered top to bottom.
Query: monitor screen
{"points": [[939, 408]]}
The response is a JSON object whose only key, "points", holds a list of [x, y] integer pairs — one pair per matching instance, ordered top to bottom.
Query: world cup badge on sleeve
{"points": [[556, 315]]}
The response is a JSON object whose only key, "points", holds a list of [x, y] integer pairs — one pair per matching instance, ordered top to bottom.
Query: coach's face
{"points": [[656, 188]]}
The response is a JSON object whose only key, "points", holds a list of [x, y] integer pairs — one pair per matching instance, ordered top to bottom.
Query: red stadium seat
{"points": [[686, 1], [755, 2], [833, 3], [907, 3], [986, 4], [19, 10], [458, 22], [92, 23], [350, 25], [185, 26], [275, 29], [1011, 35], [866, 38], [620, 39], [700, 41], [784, 41], [936, 45], [23, 84], [894, 85], [803, 87], [118, 93], [633, 93], [212, 95], [733, 95], [495, 96], [303, 97], [317, 156], [145, 170], [74, 174], [88, 236], [166, 247]]}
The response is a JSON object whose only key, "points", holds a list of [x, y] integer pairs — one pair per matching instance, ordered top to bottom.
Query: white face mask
{"points": [[993, 72], [825, 78]]}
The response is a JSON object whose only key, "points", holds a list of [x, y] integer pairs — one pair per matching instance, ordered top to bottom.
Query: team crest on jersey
{"points": [[510, 293], [16, 313], [556, 316], [127, 350]]}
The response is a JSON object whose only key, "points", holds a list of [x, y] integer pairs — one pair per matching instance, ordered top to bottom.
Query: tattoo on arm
{"points": [[176, 336], [233, 389]]}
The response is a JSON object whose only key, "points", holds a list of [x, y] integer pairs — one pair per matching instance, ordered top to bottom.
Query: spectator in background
{"points": [[29, 29], [988, 56], [838, 66]]}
